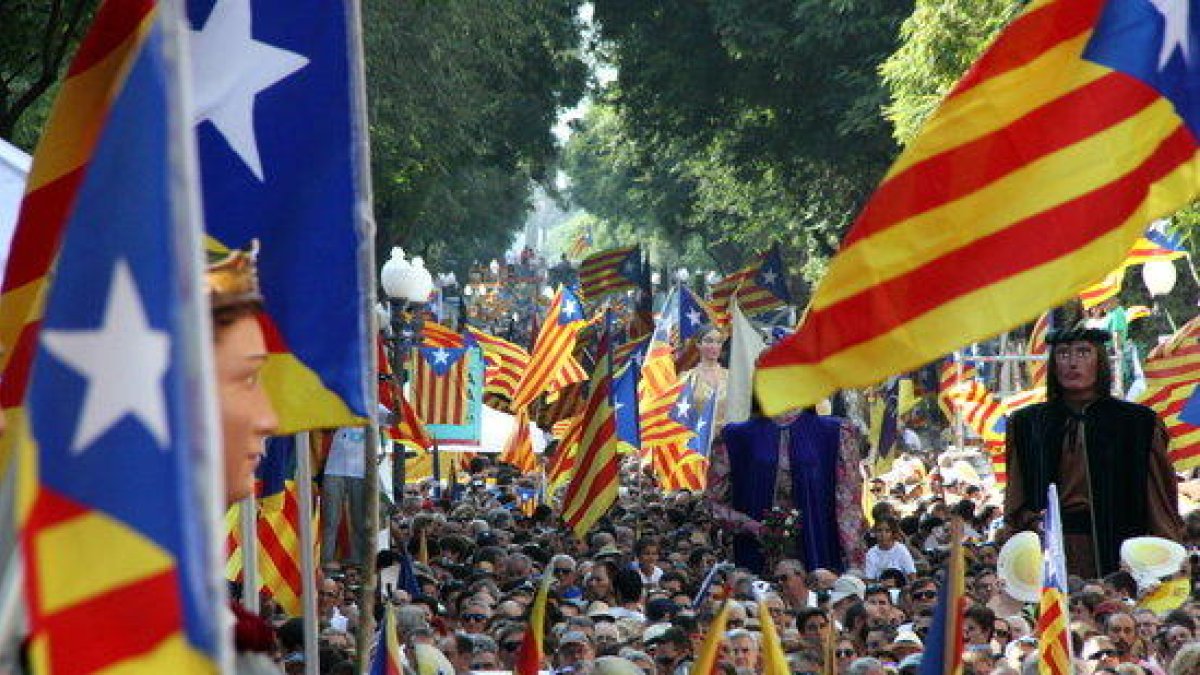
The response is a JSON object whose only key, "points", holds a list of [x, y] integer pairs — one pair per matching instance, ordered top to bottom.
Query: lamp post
{"points": [[1159, 277], [407, 285]]}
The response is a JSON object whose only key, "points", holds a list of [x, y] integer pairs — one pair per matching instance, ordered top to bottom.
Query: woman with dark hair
{"points": [[1108, 458]]}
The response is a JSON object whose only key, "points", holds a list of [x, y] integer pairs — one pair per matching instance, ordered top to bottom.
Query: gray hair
{"points": [[738, 633], [864, 666]]}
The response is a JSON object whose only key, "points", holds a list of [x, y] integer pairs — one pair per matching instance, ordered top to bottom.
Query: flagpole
{"points": [[247, 524], [308, 578]]}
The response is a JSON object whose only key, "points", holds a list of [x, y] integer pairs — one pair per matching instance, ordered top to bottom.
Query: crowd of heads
{"points": [[631, 597]]}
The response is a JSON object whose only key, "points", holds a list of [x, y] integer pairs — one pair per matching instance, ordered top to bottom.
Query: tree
{"points": [[36, 39], [940, 40], [463, 95], [734, 123]]}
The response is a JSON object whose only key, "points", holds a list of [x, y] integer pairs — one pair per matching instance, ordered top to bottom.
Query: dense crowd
{"points": [[645, 586]]}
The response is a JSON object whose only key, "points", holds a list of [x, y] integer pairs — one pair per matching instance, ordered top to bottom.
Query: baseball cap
{"points": [[846, 586]]}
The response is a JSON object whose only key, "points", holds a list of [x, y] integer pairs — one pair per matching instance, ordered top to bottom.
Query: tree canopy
{"points": [[463, 95], [735, 123]]}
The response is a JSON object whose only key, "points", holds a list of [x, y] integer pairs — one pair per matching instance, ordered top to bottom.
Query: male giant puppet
{"points": [[1107, 456]]}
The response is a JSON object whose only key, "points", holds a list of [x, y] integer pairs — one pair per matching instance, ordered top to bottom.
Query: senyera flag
{"points": [[281, 155], [1034, 178], [119, 510]]}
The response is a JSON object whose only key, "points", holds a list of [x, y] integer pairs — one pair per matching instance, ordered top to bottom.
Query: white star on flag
{"points": [[1176, 17], [230, 69], [769, 277], [569, 308], [693, 317], [441, 356], [123, 360], [682, 408], [700, 424]]}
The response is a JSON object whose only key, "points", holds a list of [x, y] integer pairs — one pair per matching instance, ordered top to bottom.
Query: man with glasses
{"points": [[1107, 456], [564, 569], [474, 618]]}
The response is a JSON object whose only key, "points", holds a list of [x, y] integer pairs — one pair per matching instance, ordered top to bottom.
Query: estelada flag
{"points": [[282, 151], [1034, 178], [103, 311]]}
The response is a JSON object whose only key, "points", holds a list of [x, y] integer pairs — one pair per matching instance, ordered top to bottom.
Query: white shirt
{"points": [[346, 453], [896, 557]]}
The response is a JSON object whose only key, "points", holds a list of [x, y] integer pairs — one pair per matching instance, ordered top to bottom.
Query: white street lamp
{"points": [[682, 275], [1159, 277], [405, 280]]}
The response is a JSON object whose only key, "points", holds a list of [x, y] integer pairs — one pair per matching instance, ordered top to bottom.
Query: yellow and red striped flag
{"points": [[1034, 178], [580, 245], [1156, 245], [611, 271], [759, 287], [1104, 290], [434, 334], [554, 345], [505, 363], [1172, 372], [570, 373], [950, 375], [440, 384], [658, 426], [518, 451], [561, 466], [679, 468], [593, 487], [1054, 638], [528, 660]]}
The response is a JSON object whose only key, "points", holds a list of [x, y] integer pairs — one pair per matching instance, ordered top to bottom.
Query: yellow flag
{"points": [[1168, 596], [774, 659], [706, 660]]}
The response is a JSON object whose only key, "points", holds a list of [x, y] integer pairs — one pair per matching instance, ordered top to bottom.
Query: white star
{"points": [[1175, 30], [230, 69], [769, 277], [569, 308], [693, 317], [441, 356], [124, 361], [618, 406], [682, 408], [700, 424]]}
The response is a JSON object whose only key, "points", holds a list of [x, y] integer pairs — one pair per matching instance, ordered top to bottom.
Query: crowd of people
{"points": [[636, 589]]}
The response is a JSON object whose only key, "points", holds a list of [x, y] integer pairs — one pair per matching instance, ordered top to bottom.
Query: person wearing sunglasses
{"points": [[566, 578], [922, 594], [474, 618], [845, 651]]}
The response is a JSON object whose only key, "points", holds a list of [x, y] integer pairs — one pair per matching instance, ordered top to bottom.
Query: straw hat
{"points": [[1149, 559], [1020, 567]]}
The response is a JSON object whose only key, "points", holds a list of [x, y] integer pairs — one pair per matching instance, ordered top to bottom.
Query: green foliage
{"points": [[37, 37], [941, 39], [463, 95], [735, 123]]}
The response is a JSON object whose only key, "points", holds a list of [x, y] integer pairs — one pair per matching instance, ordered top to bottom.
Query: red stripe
{"points": [[113, 24], [1028, 37], [969, 167], [39, 232], [1044, 237], [20, 364], [136, 618]]}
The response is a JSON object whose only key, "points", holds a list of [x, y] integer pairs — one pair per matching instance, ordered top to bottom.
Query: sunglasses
{"points": [[562, 571], [924, 595], [474, 617], [1003, 634], [510, 646], [844, 653], [1103, 654]]}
